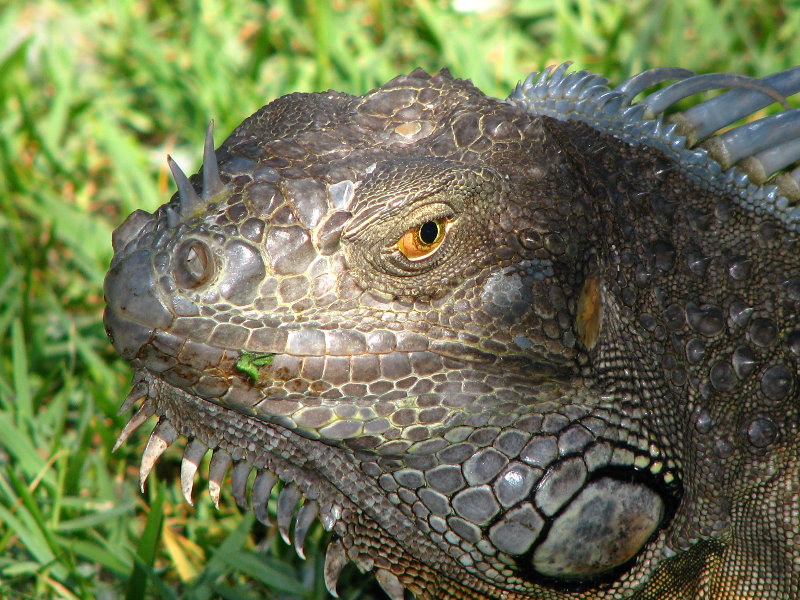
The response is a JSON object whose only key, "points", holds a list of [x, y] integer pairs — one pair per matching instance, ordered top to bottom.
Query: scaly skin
{"points": [[535, 348]]}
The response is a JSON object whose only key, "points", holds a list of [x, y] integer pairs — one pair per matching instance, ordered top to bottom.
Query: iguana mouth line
{"points": [[243, 378]]}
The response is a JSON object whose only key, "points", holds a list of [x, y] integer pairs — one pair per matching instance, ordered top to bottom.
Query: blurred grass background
{"points": [[93, 95]]}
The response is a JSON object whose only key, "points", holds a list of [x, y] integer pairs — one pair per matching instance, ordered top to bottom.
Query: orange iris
{"points": [[422, 241]]}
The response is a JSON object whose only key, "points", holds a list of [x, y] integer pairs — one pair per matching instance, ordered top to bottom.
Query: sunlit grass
{"points": [[92, 98]]}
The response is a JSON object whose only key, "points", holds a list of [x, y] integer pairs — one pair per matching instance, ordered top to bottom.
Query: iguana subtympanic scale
{"points": [[542, 347]]}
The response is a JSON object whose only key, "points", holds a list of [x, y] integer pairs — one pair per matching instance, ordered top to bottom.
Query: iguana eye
{"points": [[424, 240]]}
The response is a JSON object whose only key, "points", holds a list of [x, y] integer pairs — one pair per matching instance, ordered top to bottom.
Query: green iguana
{"points": [[541, 347]]}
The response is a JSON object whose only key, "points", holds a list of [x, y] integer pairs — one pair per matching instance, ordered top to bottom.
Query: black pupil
{"points": [[429, 232]]}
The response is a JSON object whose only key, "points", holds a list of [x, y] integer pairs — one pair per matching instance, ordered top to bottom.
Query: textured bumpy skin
{"points": [[546, 347]]}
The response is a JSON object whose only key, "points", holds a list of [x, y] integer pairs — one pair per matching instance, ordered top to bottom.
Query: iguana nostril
{"points": [[194, 265], [134, 306]]}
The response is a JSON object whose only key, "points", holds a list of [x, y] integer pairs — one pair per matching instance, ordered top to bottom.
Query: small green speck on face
{"points": [[249, 362]]}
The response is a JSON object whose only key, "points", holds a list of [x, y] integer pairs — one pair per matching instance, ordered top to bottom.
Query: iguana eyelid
{"points": [[398, 222]]}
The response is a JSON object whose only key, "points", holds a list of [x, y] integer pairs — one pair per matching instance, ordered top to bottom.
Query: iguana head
{"points": [[417, 310]]}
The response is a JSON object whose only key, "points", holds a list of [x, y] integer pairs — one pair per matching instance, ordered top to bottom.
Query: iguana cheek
{"points": [[603, 527]]}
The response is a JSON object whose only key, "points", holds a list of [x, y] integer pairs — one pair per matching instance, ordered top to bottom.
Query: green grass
{"points": [[93, 95]]}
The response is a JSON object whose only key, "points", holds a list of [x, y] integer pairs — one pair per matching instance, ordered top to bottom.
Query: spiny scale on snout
{"points": [[546, 347]]}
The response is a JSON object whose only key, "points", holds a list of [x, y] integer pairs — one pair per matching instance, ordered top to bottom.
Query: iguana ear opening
{"points": [[589, 317]]}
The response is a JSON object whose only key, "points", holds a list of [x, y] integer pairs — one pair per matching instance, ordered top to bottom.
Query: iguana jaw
{"points": [[203, 400], [363, 532]]}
